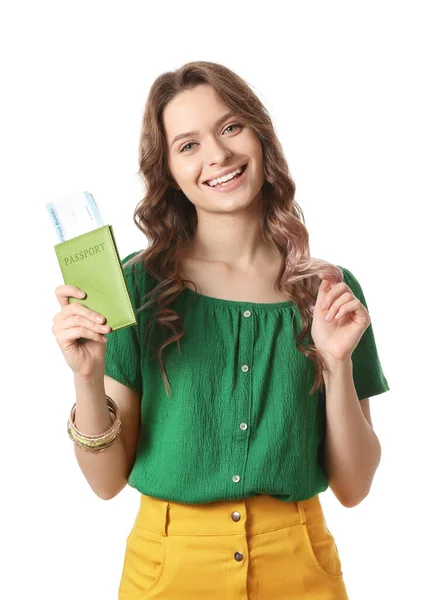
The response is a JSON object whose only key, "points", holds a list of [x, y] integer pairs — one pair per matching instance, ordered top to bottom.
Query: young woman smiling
{"points": [[243, 390]]}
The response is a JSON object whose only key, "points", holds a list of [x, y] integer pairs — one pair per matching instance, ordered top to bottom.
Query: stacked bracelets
{"points": [[100, 441]]}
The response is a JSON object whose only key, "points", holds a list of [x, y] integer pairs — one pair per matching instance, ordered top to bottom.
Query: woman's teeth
{"points": [[226, 178]]}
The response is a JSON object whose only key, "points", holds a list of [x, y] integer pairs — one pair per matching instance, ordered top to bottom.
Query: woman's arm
{"points": [[352, 449], [106, 472]]}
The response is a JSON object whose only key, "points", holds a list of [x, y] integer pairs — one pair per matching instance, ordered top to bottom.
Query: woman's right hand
{"points": [[75, 321]]}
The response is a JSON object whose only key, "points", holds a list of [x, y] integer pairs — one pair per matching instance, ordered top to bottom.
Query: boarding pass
{"points": [[74, 215]]}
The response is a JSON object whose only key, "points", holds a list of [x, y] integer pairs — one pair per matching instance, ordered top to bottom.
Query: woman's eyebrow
{"points": [[189, 133]]}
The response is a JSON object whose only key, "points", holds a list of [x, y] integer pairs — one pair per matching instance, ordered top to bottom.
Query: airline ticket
{"points": [[74, 215]]}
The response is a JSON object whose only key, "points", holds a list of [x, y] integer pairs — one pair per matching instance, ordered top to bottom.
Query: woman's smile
{"points": [[231, 185]]}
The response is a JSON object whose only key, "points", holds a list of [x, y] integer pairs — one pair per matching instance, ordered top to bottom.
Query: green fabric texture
{"points": [[240, 421]]}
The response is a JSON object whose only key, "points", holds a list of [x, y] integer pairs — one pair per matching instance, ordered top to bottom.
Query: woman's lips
{"points": [[234, 183]]}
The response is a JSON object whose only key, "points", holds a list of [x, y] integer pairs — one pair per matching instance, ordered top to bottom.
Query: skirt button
{"points": [[236, 516], [239, 556]]}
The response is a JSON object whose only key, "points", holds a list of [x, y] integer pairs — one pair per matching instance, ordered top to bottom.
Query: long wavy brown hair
{"points": [[168, 218]]}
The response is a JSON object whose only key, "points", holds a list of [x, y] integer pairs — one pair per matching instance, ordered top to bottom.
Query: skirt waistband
{"points": [[257, 514]]}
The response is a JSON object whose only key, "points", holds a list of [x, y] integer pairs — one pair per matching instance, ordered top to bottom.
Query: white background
{"points": [[348, 86]]}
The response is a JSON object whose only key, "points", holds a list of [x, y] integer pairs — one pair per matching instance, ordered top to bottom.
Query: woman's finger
{"points": [[64, 292]]}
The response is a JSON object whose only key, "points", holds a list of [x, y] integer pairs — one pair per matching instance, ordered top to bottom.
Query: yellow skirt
{"points": [[257, 548]]}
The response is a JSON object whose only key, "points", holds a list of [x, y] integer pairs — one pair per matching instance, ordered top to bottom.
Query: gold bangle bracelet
{"points": [[112, 407], [95, 442], [99, 448]]}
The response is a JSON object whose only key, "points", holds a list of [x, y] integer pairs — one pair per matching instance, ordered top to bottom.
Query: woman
{"points": [[230, 433]]}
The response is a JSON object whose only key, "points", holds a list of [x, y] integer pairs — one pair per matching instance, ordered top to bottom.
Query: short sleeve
{"points": [[122, 354], [368, 375]]}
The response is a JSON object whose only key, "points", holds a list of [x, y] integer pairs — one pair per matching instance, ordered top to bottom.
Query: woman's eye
{"points": [[233, 125], [195, 143], [189, 144]]}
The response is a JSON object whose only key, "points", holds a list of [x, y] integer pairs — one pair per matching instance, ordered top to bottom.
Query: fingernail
{"points": [[81, 294], [328, 316]]}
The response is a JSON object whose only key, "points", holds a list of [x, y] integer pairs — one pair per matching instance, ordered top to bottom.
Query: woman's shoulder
{"points": [[129, 258], [133, 263], [135, 270], [350, 278]]}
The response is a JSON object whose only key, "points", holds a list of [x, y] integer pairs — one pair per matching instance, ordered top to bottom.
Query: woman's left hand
{"points": [[337, 338]]}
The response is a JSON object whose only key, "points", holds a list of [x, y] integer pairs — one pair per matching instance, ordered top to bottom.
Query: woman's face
{"points": [[215, 145]]}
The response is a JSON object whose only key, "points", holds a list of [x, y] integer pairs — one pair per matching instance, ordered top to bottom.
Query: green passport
{"points": [[91, 262]]}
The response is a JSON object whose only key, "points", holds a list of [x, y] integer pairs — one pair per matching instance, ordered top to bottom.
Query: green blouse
{"points": [[240, 421]]}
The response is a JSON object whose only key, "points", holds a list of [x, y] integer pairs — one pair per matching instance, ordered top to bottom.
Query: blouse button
{"points": [[247, 313], [245, 368], [243, 426], [235, 478]]}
